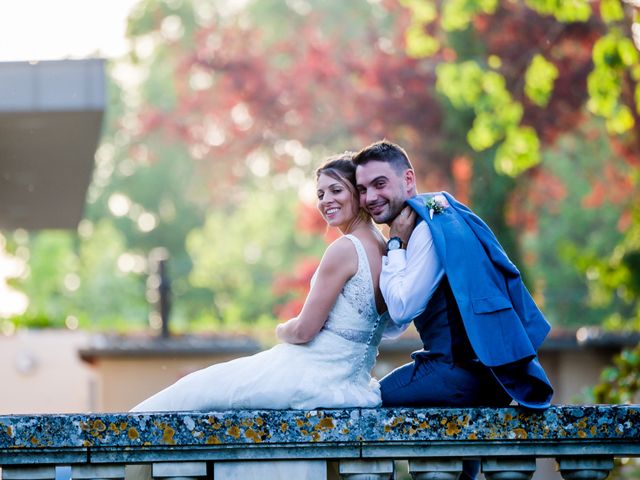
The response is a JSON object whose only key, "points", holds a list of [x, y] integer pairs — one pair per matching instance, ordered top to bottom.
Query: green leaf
{"points": [[488, 6], [563, 10], [611, 10], [422, 11], [458, 14], [455, 16], [419, 43], [615, 50], [605, 51], [628, 53], [494, 61], [539, 80], [460, 83], [493, 83], [467, 85], [603, 85], [621, 121], [484, 133], [519, 151], [630, 358], [610, 374]]}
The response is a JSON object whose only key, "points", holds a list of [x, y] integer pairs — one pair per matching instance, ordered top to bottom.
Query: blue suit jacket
{"points": [[503, 323]]}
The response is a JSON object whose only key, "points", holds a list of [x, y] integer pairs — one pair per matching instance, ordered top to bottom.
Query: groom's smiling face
{"points": [[383, 190]]}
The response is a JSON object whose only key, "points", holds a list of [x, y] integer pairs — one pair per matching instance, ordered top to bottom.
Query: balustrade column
{"points": [[503, 468], [585, 468], [275, 469], [366, 469], [435, 469], [180, 470], [21, 472], [98, 472]]}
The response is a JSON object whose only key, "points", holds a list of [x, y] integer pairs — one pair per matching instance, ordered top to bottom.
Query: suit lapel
{"points": [[417, 203]]}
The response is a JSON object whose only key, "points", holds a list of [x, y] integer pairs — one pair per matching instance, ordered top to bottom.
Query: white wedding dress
{"points": [[331, 371]]}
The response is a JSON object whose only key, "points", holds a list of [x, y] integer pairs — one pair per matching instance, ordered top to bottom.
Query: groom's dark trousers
{"points": [[499, 318], [445, 373]]}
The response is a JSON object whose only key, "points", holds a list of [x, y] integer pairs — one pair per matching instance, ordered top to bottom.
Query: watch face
{"points": [[393, 244]]}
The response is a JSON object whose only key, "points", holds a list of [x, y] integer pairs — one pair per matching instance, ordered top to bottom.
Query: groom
{"points": [[449, 275], [479, 326]]}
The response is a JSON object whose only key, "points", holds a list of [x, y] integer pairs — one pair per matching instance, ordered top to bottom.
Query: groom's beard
{"points": [[388, 210]]}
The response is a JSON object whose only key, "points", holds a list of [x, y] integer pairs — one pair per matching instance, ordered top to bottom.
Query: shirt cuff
{"points": [[396, 258]]}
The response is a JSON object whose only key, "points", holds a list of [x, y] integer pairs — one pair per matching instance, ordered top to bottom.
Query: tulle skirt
{"points": [[328, 372]]}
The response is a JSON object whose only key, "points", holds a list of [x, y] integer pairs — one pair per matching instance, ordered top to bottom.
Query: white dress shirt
{"points": [[409, 278]]}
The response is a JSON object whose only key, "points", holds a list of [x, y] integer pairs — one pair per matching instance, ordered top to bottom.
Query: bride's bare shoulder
{"points": [[373, 242], [341, 247], [341, 254]]}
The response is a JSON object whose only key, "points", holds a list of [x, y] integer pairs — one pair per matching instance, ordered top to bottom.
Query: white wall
{"points": [[41, 372]]}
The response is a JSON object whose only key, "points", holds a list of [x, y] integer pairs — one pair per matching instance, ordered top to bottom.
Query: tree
{"points": [[541, 63], [546, 67], [242, 94], [225, 103], [249, 103], [561, 233], [240, 249], [77, 282]]}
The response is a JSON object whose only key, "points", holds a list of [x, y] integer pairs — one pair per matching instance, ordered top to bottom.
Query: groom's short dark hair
{"points": [[384, 151]]}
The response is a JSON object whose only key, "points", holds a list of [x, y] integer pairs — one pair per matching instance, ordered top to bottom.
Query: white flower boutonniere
{"points": [[436, 205]]}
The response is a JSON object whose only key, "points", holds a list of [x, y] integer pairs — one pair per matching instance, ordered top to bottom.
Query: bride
{"points": [[328, 350]]}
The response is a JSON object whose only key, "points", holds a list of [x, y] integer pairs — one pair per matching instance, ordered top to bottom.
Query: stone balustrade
{"points": [[362, 442]]}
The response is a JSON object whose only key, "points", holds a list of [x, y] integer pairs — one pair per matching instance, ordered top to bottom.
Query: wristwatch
{"points": [[394, 243]]}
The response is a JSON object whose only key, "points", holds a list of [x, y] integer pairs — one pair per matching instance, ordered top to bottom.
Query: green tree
{"points": [[548, 66], [248, 103], [561, 230], [240, 250], [51, 259], [76, 282]]}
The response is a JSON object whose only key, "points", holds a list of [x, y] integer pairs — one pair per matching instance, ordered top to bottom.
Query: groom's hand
{"points": [[403, 224]]}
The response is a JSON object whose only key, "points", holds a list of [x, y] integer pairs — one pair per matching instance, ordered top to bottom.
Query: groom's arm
{"points": [[409, 277]]}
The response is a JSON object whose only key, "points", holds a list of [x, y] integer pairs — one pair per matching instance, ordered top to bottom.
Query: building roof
{"points": [[50, 121], [592, 338], [117, 346], [121, 346]]}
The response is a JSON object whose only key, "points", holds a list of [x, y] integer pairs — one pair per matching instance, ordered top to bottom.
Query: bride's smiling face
{"points": [[337, 203]]}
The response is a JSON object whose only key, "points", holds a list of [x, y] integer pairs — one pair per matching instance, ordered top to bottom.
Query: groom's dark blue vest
{"points": [[481, 312], [441, 330]]}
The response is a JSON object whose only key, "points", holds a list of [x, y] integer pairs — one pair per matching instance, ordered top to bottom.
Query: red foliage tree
{"points": [[515, 33], [239, 92], [327, 92]]}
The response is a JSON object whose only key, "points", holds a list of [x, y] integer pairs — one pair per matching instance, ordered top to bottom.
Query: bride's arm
{"points": [[339, 263]]}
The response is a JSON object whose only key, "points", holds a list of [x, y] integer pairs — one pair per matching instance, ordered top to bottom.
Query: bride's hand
{"points": [[403, 224], [282, 330], [279, 331]]}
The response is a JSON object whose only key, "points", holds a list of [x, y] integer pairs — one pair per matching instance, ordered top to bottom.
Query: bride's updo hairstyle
{"points": [[341, 168]]}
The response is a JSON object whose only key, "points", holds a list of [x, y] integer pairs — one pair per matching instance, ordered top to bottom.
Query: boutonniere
{"points": [[436, 205]]}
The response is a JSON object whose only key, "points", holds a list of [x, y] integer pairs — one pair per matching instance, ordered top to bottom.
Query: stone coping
{"points": [[108, 346], [602, 424]]}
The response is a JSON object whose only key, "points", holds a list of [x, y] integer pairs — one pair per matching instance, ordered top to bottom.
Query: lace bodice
{"points": [[354, 315]]}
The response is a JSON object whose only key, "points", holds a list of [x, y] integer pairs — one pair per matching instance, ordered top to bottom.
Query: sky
{"points": [[58, 29]]}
